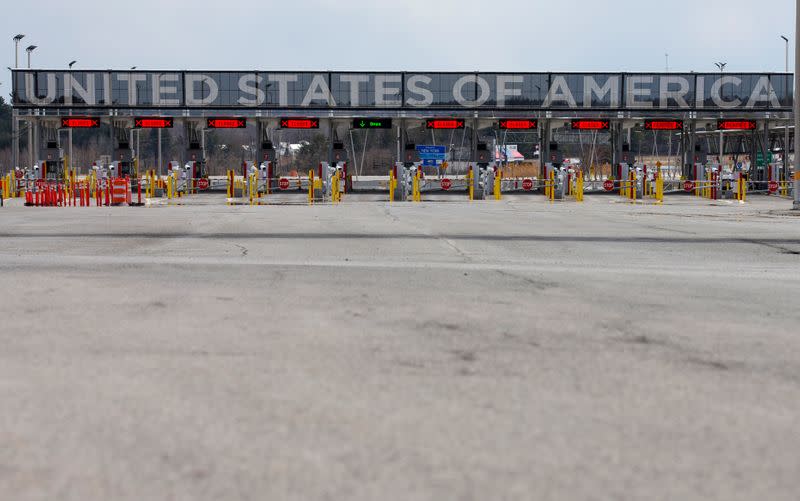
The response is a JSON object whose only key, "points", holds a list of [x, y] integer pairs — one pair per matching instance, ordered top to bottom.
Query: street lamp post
{"points": [[17, 38], [30, 49], [721, 67], [31, 125], [786, 131], [69, 133]]}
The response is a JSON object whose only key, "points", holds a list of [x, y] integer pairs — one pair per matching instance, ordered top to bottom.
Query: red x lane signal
{"points": [[80, 123], [152, 123], [226, 123], [299, 123], [445, 123], [517, 123], [590, 124], [663, 124], [736, 125]]}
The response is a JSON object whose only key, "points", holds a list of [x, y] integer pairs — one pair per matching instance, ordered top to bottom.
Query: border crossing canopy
{"points": [[231, 90]]}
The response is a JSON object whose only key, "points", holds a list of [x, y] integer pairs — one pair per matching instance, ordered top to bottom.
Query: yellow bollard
{"points": [[498, 180], [470, 184], [391, 185], [579, 186], [311, 187], [659, 187], [552, 192]]}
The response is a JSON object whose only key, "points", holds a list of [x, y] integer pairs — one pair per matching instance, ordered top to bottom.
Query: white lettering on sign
{"points": [[132, 79], [283, 80], [355, 82], [248, 84], [73, 87], [160, 88], [415, 88], [503, 89], [591, 89], [50, 90], [636, 90], [318, 91], [458, 91], [461, 91], [667, 91], [717, 91], [763, 91], [700, 92], [383, 93], [559, 93], [204, 99]]}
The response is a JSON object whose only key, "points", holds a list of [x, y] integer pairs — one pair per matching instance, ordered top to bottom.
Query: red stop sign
{"points": [[283, 183], [202, 184], [446, 184], [527, 184], [608, 185], [688, 185], [773, 186]]}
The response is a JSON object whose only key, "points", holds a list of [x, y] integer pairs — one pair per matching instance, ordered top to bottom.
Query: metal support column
{"points": [[796, 105], [14, 140], [30, 142], [544, 146], [766, 151], [36, 152], [786, 152], [688, 164], [755, 174], [476, 177]]}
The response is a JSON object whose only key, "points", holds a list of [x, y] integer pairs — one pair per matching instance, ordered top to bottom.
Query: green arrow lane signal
{"points": [[372, 123]]}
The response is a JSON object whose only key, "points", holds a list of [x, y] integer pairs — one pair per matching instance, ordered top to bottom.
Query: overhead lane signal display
{"points": [[80, 122], [153, 122], [226, 123], [299, 123], [372, 123], [444, 123], [518, 124], [582, 124], [663, 124], [736, 125]]}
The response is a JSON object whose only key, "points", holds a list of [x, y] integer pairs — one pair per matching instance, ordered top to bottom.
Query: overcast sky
{"points": [[489, 35]]}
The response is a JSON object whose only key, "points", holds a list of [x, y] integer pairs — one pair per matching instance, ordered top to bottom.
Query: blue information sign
{"points": [[429, 152]]}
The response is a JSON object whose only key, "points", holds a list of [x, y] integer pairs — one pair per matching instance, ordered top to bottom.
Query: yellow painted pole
{"points": [[471, 184], [391, 185], [497, 185], [311, 187], [659, 187], [744, 190], [552, 192]]}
